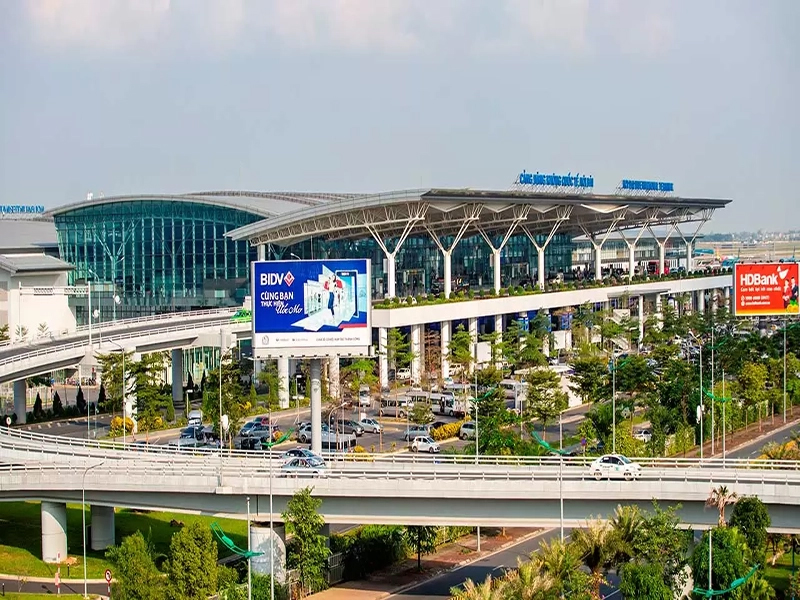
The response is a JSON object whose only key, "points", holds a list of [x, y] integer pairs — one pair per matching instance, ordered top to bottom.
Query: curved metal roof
{"points": [[265, 204], [444, 213]]}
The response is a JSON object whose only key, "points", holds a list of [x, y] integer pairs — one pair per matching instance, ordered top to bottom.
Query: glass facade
{"points": [[155, 255], [161, 255], [420, 263]]}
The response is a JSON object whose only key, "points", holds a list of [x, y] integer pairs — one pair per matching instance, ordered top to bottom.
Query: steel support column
{"points": [[563, 213], [520, 214], [690, 241], [662, 246], [632, 250], [447, 253], [598, 259], [391, 277], [473, 334], [416, 354], [177, 377], [283, 383], [21, 401]]}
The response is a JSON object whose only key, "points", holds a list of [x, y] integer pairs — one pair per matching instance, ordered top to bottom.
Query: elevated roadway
{"points": [[407, 489]]}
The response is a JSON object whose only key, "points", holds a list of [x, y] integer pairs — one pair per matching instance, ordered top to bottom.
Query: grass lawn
{"points": [[21, 537], [778, 576], [17, 596]]}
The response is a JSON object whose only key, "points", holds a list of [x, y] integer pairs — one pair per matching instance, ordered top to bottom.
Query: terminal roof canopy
{"points": [[446, 212]]}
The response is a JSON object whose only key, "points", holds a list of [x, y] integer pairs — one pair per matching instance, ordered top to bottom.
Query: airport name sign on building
{"points": [[543, 180], [637, 185], [21, 209], [762, 289], [311, 308]]}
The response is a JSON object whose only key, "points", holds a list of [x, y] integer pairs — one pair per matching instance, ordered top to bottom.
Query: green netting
{"points": [[715, 398], [280, 440], [545, 445], [229, 544], [734, 584]]}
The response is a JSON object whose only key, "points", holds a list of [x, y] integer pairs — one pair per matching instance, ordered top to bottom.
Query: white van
{"points": [[513, 388], [195, 417]]}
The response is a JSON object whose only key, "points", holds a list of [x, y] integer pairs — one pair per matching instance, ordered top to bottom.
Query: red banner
{"points": [[765, 289]]}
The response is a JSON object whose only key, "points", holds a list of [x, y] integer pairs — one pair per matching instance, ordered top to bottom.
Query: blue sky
{"points": [[129, 96]]}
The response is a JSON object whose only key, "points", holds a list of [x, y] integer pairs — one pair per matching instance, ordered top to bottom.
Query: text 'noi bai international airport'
{"points": [[433, 260]]}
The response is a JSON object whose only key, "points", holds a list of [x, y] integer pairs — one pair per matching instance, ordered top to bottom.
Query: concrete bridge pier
{"points": [[177, 378], [21, 401], [102, 527], [54, 531], [272, 542]]}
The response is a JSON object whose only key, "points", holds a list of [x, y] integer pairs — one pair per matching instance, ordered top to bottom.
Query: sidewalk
{"points": [[403, 575]]}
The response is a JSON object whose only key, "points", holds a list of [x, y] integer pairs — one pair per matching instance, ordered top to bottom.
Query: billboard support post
{"points": [[316, 405]]}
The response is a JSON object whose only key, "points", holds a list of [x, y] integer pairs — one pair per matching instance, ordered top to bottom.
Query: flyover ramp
{"points": [[149, 339]]}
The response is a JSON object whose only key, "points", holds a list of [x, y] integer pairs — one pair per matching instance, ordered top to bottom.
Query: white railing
{"points": [[102, 327], [123, 336], [42, 447], [115, 476]]}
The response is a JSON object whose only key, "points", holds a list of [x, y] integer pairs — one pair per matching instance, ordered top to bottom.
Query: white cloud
{"points": [[387, 26]]}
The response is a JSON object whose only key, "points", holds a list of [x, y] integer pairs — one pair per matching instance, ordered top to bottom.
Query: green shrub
{"points": [[370, 548]]}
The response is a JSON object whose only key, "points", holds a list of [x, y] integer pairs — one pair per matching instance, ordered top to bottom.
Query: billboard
{"points": [[765, 289], [311, 307]]}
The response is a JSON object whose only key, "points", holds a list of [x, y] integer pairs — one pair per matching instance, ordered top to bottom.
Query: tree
{"points": [[43, 330], [22, 332], [4, 333], [495, 341], [398, 349], [460, 351], [111, 367], [360, 372], [590, 377], [269, 378], [752, 379], [203, 381], [232, 395], [101, 397], [151, 397], [546, 399], [80, 401], [58, 406], [38, 409], [421, 414], [720, 497], [751, 517], [625, 525], [422, 539], [659, 540], [595, 543], [308, 552], [727, 555], [562, 563], [192, 565], [136, 575], [644, 581], [527, 582], [260, 587], [757, 588], [490, 589]]}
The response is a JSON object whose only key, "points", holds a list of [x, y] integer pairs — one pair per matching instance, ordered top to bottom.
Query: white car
{"points": [[403, 374], [371, 425], [643, 435], [424, 444], [614, 466]]}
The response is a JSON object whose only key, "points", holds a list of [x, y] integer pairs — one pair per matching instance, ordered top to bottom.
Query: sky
{"points": [[171, 96]]}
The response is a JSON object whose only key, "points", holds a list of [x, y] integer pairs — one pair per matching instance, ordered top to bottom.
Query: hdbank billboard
{"points": [[765, 289], [311, 307]]}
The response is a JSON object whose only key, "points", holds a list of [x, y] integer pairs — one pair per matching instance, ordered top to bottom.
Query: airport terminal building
{"points": [[152, 253]]}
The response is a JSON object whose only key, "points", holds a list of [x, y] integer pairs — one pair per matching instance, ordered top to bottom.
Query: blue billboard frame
{"points": [[311, 307]]}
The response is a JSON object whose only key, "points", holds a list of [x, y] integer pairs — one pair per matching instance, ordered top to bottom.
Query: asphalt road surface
{"points": [[753, 449]]}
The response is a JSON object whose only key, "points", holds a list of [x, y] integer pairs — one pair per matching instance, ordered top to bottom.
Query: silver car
{"points": [[371, 425], [303, 467]]}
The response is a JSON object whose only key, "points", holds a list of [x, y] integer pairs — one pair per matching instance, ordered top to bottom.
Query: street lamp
{"points": [[124, 395], [700, 408], [83, 518]]}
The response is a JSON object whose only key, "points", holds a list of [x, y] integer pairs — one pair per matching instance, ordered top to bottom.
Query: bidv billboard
{"points": [[765, 289], [311, 307]]}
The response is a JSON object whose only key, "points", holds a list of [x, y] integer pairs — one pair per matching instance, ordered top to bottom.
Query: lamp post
{"points": [[475, 371], [124, 391], [700, 408], [83, 520], [249, 558]]}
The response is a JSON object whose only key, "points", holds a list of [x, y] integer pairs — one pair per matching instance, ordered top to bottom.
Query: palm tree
{"points": [[720, 498], [624, 525], [596, 545], [559, 561], [527, 582], [757, 588], [490, 589]]}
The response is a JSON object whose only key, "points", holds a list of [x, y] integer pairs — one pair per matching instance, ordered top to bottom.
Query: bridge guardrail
{"points": [[100, 328], [122, 336], [48, 445], [223, 473]]}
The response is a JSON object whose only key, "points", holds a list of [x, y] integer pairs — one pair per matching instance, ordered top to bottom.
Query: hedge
{"points": [[445, 432], [370, 548]]}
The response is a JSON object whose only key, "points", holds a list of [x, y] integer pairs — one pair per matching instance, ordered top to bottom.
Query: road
{"points": [[753, 449], [492, 564], [41, 587]]}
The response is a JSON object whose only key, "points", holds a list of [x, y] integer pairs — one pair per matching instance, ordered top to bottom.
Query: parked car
{"points": [[403, 374], [364, 397], [395, 406], [195, 417], [437, 424], [371, 425], [348, 426], [416, 431], [467, 431], [194, 432], [304, 432], [643, 435], [254, 442], [424, 444], [615, 466], [303, 467]]}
